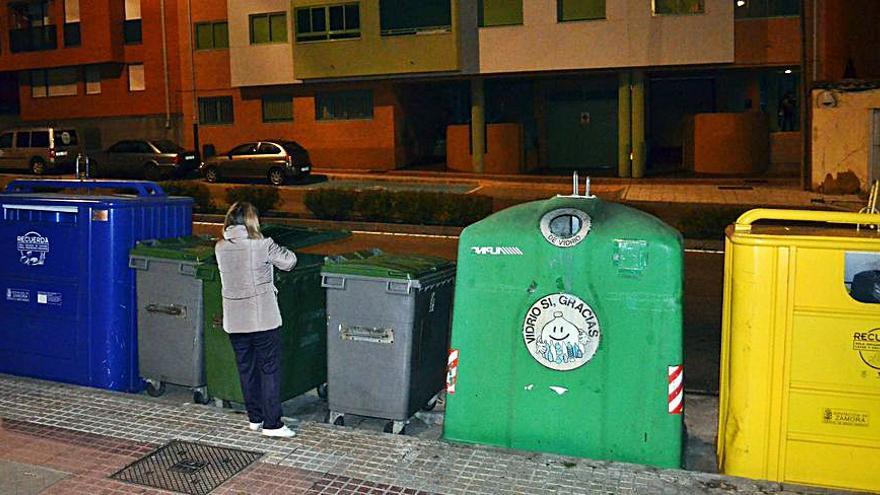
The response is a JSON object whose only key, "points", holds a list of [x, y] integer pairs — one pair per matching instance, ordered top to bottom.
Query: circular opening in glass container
{"points": [[565, 227]]}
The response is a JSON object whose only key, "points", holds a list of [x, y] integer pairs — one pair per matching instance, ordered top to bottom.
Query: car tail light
{"points": [[52, 153], [177, 159]]}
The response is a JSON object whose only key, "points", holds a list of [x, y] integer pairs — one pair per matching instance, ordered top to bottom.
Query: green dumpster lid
{"points": [[299, 237], [187, 248], [383, 265]]}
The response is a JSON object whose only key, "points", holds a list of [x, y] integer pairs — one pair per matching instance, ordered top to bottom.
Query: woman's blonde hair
{"points": [[244, 213]]}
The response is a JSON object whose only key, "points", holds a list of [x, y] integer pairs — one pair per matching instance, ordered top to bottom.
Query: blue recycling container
{"points": [[68, 311]]}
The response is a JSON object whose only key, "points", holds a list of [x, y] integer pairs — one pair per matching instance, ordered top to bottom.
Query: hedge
{"points": [[409, 207]]}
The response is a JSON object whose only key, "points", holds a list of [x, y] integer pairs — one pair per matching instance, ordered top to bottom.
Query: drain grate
{"points": [[187, 467]]}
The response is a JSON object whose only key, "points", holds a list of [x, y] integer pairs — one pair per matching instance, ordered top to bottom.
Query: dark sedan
{"points": [[149, 159], [277, 161]]}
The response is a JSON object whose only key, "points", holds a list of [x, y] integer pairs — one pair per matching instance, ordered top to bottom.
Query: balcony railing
{"points": [[33, 39]]}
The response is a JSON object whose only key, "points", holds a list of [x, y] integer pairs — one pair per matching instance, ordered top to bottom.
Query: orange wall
{"points": [[773, 41], [115, 99], [729, 143], [352, 144], [504, 149]]}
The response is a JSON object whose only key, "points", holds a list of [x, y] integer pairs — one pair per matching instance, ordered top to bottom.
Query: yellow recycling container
{"points": [[800, 355]]}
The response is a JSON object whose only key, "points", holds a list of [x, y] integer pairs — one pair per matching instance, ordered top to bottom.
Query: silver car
{"points": [[40, 149], [148, 159], [277, 161]]}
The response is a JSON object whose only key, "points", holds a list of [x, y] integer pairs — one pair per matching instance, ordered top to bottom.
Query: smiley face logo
{"points": [[561, 332]]}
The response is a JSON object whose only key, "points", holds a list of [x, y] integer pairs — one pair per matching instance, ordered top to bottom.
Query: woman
{"points": [[250, 313]]}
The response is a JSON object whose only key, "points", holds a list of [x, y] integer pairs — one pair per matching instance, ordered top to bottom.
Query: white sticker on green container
{"points": [[561, 331]]}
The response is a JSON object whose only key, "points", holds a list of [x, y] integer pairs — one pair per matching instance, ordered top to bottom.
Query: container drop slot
{"points": [[373, 335]]}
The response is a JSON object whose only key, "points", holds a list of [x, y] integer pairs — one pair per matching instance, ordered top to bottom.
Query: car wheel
{"points": [[38, 166], [151, 172], [211, 175], [276, 177]]}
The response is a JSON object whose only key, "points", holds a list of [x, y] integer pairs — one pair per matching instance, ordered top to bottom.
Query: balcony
{"points": [[369, 38], [34, 39]]}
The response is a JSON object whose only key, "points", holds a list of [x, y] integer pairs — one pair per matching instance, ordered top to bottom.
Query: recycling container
{"points": [[69, 312], [303, 313], [388, 320], [170, 321], [567, 333], [800, 353]]}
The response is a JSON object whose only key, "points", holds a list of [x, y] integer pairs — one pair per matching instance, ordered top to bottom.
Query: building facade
{"points": [[616, 87]]}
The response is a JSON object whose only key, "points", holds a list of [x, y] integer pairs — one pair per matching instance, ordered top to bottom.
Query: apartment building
{"points": [[616, 87]]}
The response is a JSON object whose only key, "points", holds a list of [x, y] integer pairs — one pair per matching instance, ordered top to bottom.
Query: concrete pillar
{"points": [[478, 125], [624, 136], [639, 149]]}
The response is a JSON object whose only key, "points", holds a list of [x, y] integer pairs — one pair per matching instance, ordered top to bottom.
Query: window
{"points": [[679, 7], [766, 8], [579, 10], [500, 12], [414, 16], [330, 22], [71, 23], [31, 28], [268, 28], [131, 29], [212, 35], [93, 80], [136, 81], [54, 82], [39, 85], [344, 105], [277, 108], [215, 111], [40, 139], [23, 140], [5, 141], [120, 147], [141, 147], [244, 149], [268, 149]]}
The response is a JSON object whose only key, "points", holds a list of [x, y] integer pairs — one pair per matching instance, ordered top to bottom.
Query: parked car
{"points": [[40, 149], [149, 159], [278, 161]]}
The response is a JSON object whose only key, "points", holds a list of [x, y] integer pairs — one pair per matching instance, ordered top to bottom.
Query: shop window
{"points": [[579, 10], [500, 12], [397, 17], [328, 22], [268, 28], [344, 105], [216, 110]]}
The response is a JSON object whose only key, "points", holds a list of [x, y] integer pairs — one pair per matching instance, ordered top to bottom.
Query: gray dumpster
{"points": [[170, 313], [388, 321]]}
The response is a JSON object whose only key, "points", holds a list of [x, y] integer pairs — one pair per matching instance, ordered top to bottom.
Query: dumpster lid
{"points": [[299, 237], [187, 248], [388, 265]]}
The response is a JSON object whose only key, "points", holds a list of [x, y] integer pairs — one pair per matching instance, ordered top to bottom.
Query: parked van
{"points": [[40, 149]]}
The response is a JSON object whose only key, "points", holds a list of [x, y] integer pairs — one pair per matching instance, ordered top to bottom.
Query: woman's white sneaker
{"points": [[255, 426], [283, 432]]}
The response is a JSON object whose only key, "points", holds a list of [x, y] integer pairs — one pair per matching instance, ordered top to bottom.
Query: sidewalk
{"points": [[715, 191], [64, 439]]}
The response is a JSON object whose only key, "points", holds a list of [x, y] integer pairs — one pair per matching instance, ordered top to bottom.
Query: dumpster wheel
{"points": [[155, 388], [200, 396], [431, 404], [335, 418], [395, 427]]}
